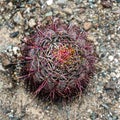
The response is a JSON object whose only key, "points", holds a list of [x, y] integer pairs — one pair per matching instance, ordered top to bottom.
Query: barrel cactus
{"points": [[57, 60]]}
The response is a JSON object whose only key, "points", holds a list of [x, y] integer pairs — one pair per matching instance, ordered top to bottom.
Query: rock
{"points": [[118, 1], [41, 2], [49, 2], [61, 2], [91, 3], [106, 3], [10, 4], [2, 9], [27, 10], [80, 10], [68, 11], [117, 11], [48, 14], [62, 14], [7, 16], [18, 18], [32, 22], [10, 25], [87, 25], [14, 34], [91, 38], [9, 50], [16, 51], [111, 58], [6, 63], [1, 67], [105, 106], [93, 116]]}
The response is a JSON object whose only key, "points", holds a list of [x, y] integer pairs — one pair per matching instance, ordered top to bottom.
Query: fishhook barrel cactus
{"points": [[57, 60]]}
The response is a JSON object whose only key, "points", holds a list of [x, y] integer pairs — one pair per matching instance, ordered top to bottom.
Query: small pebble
{"points": [[49, 2], [61, 2], [106, 3], [10, 4], [68, 11], [48, 14], [18, 18], [32, 22], [87, 26], [14, 34], [91, 38], [16, 51], [111, 58], [6, 63], [1, 67], [105, 105]]}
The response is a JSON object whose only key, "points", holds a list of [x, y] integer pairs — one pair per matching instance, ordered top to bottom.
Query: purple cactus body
{"points": [[58, 61]]}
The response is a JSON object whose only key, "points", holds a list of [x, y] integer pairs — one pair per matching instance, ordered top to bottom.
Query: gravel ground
{"points": [[101, 19]]}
